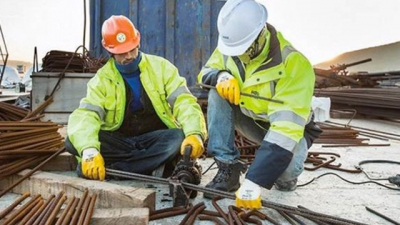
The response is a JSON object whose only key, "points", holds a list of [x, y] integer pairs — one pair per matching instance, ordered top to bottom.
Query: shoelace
{"points": [[222, 175]]}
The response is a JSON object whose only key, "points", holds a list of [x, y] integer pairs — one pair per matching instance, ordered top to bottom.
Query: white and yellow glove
{"points": [[228, 87], [197, 145], [93, 164], [249, 195]]}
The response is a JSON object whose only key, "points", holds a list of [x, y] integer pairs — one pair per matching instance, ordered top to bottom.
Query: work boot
{"points": [[227, 177], [286, 185]]}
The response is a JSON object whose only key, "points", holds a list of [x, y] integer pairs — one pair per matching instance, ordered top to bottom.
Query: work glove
{"points": [[228, 87], [197, 145], [93, 164], [249, 195]]}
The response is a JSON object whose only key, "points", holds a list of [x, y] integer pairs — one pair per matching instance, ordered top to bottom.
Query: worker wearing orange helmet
{"points": [[254, 61], [138, 113]]}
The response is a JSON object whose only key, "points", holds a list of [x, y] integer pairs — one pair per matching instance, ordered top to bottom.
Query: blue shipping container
{"points": [[182, 31]]}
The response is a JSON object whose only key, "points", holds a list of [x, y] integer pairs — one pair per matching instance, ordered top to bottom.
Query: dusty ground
{"points": [[329, 194]]}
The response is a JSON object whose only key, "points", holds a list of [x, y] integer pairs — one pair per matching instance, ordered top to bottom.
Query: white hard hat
{"points": [[239, 23]]}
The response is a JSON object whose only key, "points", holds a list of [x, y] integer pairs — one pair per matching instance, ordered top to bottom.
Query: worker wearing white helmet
{"points": [[252, 58]]}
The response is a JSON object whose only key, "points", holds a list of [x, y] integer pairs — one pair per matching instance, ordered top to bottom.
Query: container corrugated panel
{"points": [[182, 31]]}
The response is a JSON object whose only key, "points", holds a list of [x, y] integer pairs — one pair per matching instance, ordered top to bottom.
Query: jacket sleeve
{"points": [[209, 73], [183, 103], [84, 122]]}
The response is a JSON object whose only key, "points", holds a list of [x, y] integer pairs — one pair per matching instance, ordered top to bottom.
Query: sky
{"points": [[320, 29]]}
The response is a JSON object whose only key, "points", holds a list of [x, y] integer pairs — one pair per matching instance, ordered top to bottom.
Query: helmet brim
{"points": [[233, 50]]}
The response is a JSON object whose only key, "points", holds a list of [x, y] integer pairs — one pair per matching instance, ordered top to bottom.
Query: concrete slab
{"points": [[63, 162], [109, 195], [117, 216]]}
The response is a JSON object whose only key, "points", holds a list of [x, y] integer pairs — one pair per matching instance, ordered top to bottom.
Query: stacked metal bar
{"points": [[57, 61], [378, 102], [24, 144], [41, 211]]}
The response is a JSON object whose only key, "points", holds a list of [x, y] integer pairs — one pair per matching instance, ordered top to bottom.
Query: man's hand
{"points": [[228, 87], [197, 145], [93, 164], [249, 195]]}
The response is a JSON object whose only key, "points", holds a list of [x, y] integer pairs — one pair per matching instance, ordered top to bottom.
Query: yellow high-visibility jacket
{"points": [[280, 72], [103, 107]]}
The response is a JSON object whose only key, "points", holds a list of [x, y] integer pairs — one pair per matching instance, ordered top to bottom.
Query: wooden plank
{"points": [[109, 195]]}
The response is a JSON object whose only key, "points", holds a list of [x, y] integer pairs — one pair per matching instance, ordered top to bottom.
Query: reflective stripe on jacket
{"points": [[280, 72], [103, 107]]}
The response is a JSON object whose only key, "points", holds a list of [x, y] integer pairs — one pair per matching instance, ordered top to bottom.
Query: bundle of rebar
{"points": [[62, 61], [337, 76], [377, 102], [24, 143], [41, 211]]}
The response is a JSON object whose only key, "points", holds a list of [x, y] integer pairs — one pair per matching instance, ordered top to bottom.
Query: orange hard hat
{"points": [[119, 35]]}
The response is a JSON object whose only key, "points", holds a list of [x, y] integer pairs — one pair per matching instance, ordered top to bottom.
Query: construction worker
{"points": [[253, 58], [138, 112]]}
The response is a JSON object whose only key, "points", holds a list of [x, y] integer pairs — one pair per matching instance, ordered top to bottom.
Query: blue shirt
{"points": [[131, 74]]}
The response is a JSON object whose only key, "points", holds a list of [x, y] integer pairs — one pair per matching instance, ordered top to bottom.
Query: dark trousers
{"points": [[140, 154]]}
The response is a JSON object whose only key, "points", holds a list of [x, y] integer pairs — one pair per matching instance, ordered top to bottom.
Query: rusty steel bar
{"points": [[245, 94], [39, 109], [6, 124], [31, 131], [29, 141], [355, 145], [25, 152], [32, 162], [32, 171], [14, 204], [51, 208], [56, 208], [218, 208], [78, 209], [84, 210], [65, 211], [191, 211], [20, 212], [24, 212], [32, 212], [70, 212], [154, 212], [38, 213], [43, 213], [89, 213], [211, 213], [169, 214], [233, 214], [193, 216], [286, 216], [382, 216], [211, 218], [295, 219], [319, 222]]}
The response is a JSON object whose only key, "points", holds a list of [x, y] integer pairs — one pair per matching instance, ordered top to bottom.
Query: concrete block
{"points": [[63, 162], [108, 195], [117, 216]]}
